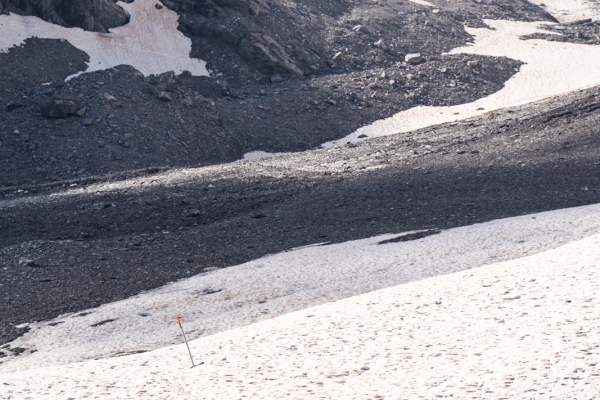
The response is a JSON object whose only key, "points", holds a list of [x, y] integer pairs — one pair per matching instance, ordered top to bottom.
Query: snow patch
{"points": [[422, 3], [570, 10], [150, 42], [259, 155]]}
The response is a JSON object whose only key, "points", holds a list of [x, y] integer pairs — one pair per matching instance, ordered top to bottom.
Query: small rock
{"points": [[158, 6], [254, 8], [360, 28], [230, 38], [380, 44], [337, 55], [414, 58], [472, 63], [409, 77], [276, 78], [167, 82], [221, 86], [151, 90], [164, 96], [109, 97], [332, 102], [13, 105], [58, 108], [87, 122], [195, 213], [26, 262], [365, 368]]}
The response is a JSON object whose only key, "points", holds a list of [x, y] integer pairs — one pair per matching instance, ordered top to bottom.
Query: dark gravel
{"points": [[124, 126]]}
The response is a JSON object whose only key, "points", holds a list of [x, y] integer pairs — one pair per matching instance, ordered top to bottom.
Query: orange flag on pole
{"points": [[184, 338]]}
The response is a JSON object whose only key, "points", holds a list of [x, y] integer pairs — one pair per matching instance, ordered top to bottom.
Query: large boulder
{"points": [[58, 108]]}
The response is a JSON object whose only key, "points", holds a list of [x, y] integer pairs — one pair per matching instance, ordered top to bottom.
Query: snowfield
{"points": [[281, 283], [526, 328]]}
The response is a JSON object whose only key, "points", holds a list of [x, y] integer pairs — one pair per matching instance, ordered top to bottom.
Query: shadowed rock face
{"points": [[90, 15], [306, 37]]}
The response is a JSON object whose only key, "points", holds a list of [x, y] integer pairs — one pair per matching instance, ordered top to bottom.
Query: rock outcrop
{"points": [[90, 15], [268, 56]]}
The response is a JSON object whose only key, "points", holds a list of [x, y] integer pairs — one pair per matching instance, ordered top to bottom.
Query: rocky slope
{"points": [[90, 15], [321, 70], [92, 209], [131, 232]]}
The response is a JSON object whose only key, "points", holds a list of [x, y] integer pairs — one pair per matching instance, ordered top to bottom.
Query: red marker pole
{"points": [[186, 342]]}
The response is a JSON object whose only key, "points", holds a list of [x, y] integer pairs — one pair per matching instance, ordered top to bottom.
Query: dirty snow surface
{"points": [[570, 10], [150, 42], [290, 281], [526, 328]]}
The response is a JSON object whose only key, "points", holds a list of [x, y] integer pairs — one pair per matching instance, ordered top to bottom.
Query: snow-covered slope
{"points": [[570, 10], [281, 283], [526, 328]]}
